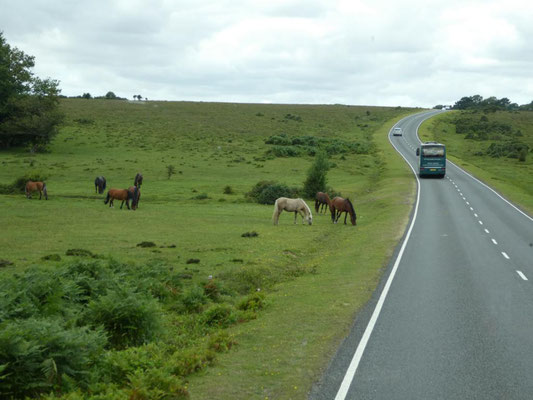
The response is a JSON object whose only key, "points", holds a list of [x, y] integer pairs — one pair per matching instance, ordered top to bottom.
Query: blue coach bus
{"points": [[432, 159]]}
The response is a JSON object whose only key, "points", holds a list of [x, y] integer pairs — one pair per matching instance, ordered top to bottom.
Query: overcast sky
{"points": [[369, 52]]}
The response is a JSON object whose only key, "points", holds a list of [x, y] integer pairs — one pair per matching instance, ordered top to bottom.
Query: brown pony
{"points": [[138, 181], [36, 186], [121, 194], [135, 197], [322, 202], [339, 205]]}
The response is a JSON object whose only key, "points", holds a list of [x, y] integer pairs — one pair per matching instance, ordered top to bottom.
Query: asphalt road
{"points": [[453, 316]]}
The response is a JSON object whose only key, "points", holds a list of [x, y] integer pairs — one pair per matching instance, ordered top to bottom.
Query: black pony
{"points": [[138, 180], [99, 184]]}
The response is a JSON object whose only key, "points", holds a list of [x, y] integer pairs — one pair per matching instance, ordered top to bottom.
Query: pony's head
{"points": [[353, 215], [308, 216]]}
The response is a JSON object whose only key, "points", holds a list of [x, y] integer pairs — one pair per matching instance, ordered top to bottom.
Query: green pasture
{"points": [[510, 176], [314, 278]]}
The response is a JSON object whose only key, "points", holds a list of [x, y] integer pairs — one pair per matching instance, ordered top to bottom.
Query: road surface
{"points": [[453, 317]]}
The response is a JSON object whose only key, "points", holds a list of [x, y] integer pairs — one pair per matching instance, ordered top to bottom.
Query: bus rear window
{"points": [[433, 151]]}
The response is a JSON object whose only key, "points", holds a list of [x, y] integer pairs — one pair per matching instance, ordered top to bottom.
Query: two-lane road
{"points": [[454, 317]]}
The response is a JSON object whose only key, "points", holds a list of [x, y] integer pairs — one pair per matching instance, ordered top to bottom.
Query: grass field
{"points": [[509, 176], [314, 278]]}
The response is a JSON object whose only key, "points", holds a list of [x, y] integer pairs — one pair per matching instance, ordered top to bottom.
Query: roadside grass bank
{"points": [[486, 148], [219, 294], [284, 352]]}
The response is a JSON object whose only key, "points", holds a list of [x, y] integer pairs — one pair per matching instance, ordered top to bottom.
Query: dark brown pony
{"points": [[138, 180], [99, 184], [34, 187], [121, 194], [135, 197], [322, 202], [338, 206]]}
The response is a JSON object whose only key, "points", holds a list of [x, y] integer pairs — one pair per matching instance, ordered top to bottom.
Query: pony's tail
{"points": [[45, 192], [107, 198], [275, 215]]}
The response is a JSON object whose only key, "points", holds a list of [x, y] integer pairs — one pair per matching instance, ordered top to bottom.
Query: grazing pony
{"points": [[138, 180], [99, 184], [34, 187], [121, 194], [135, 197], [322, 202], [339, 205], [298, 206]]}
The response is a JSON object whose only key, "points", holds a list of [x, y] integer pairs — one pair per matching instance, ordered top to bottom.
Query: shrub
{"points": [[508, 149], [316, 176], [228, 190], [266, 192], [250, 234], [146, 244], [211, 290], [194, 299], [252, 302], [221, 315], [128, 317], [221, 342], [40, 354]]}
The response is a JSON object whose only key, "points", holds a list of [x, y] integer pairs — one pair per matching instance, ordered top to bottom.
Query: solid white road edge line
{"points": [[356, 359]]}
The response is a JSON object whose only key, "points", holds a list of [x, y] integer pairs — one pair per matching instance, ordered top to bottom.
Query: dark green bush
{"points": [[508, 149], [285, 151], [316, 176], [266, 192], [194, 299], [252, 302], [220, 315], [128, 317], [39, 355]]}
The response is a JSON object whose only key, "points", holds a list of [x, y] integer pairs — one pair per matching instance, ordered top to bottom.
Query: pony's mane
{"points": [[306, 206], [351, 206]]}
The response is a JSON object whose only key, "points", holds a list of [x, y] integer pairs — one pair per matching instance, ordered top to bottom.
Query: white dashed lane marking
{"points": [[504, 254], [521, 275]]}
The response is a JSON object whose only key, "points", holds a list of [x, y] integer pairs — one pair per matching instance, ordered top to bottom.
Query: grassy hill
{"points": [[216, 314]]}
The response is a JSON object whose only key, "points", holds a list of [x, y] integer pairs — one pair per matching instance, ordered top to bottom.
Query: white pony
{"points": [[296, 205]]}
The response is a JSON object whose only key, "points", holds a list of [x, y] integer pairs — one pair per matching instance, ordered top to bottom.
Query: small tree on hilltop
{"points": [[316, 176]]}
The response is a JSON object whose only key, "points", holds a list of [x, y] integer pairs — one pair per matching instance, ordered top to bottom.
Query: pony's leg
{"points": [[40, 194], [302, 213], [295, 215], [345, 215]]}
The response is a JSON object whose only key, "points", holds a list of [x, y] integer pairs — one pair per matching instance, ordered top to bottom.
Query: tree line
{"points": [[490, 104]]}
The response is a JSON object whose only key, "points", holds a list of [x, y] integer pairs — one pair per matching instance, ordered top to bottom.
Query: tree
{"points": [[110, 95], [86, 96], [29, 113], [316, 176]]}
